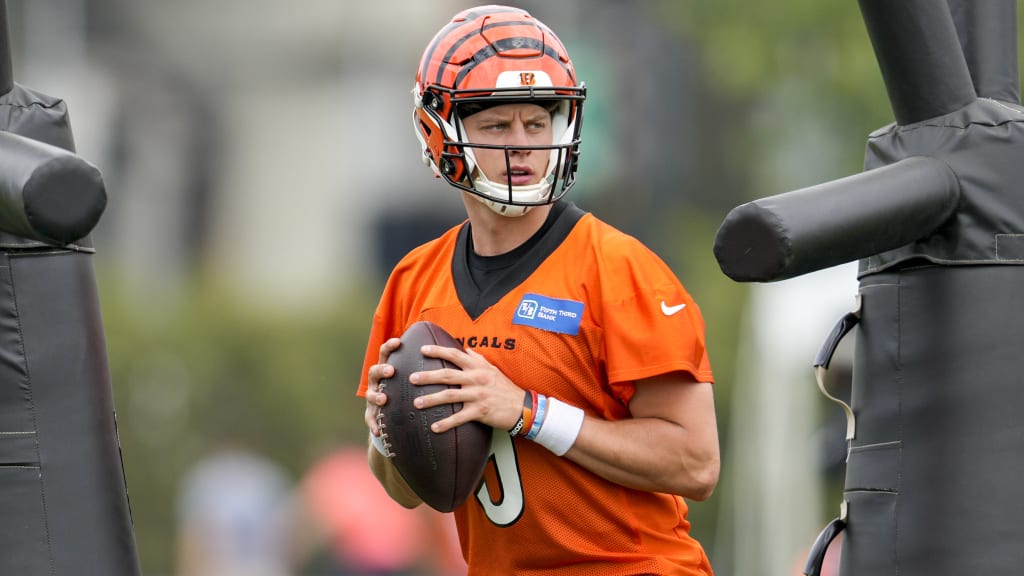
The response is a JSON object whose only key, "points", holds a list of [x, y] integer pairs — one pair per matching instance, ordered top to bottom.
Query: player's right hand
{"points": [[379, 371]]}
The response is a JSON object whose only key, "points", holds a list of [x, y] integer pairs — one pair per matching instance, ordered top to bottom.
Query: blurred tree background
{"points": [[241, 314]]}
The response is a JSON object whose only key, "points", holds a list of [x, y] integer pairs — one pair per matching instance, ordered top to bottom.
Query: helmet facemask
{"points": [[504, 197]]}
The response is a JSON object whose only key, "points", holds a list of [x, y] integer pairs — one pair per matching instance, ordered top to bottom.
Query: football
{"points": [[442, 469]]}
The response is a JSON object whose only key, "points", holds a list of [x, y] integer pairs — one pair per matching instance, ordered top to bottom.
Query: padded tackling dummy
{"points": [[934, 448], [933, 475], [932, 481], [63, 501]]}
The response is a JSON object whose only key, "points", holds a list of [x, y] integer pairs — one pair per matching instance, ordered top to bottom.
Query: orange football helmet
{"points": [[494, 55]]}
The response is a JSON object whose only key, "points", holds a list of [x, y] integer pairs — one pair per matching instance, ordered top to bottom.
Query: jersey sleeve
{"points": [[402, 299], [651, 324], [385, 325], [377, 337]]}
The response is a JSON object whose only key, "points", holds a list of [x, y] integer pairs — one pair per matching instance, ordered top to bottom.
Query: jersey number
{"points": [[507, 505]]}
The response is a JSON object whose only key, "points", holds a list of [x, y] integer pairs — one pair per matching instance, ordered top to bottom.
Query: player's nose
{"points": [[518, 137]]}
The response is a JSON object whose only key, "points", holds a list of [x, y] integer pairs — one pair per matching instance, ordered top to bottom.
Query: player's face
{"points": [[518, 124]]}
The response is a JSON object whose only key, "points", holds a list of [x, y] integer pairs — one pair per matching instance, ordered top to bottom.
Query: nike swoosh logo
{"points": [[670, 310]]}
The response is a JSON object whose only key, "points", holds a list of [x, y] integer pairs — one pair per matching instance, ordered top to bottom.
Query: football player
{"points": [[581, 347]]}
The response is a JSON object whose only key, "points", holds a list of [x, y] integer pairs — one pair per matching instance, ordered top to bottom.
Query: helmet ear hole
{"points": [[426, 129]]}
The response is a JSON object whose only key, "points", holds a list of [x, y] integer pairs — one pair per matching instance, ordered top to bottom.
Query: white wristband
{"points": [[561, 426]]}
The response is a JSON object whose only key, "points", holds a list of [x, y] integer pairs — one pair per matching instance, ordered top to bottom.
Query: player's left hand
{"points": [[376, 373], [486, 394]]}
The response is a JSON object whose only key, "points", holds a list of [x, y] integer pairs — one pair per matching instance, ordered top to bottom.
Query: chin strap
{"points": [[507, 210]]}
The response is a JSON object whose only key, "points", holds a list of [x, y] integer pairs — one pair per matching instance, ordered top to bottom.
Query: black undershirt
{"points": [[485, 270], [483, 280]]}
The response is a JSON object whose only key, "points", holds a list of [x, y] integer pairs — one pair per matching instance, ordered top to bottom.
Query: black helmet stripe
{"points": [[469, 17], [458, 43], [507, 44], [429, 54]]}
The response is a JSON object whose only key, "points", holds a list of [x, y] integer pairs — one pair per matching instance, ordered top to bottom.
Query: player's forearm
{"points": [[649, 454], [389, 478]]}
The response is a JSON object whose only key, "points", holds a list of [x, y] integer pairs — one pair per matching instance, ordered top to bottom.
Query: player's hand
{"points": [[379, 371], [486, 394]]}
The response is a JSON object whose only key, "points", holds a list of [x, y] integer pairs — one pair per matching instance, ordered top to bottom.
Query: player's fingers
{"points": [[389, 346], [454, 355], [475, 355], [379, 372], [448, 376], [446, 396], [374, 398], [474, 407], [370, 414], [466, 414], [370, 419], [446, 424]]}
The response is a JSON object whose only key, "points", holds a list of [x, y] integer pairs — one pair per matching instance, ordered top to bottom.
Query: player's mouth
{"points": [[520, 176]]}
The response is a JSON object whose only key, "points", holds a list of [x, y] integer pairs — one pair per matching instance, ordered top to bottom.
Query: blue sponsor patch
{"points": [[551, 314]]}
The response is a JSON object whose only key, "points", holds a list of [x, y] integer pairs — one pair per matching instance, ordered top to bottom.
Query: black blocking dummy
{"points": [[936, 221], [63, 500]]}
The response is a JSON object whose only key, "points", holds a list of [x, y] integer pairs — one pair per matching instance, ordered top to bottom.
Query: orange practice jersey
{"points": [[588, 312]]}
